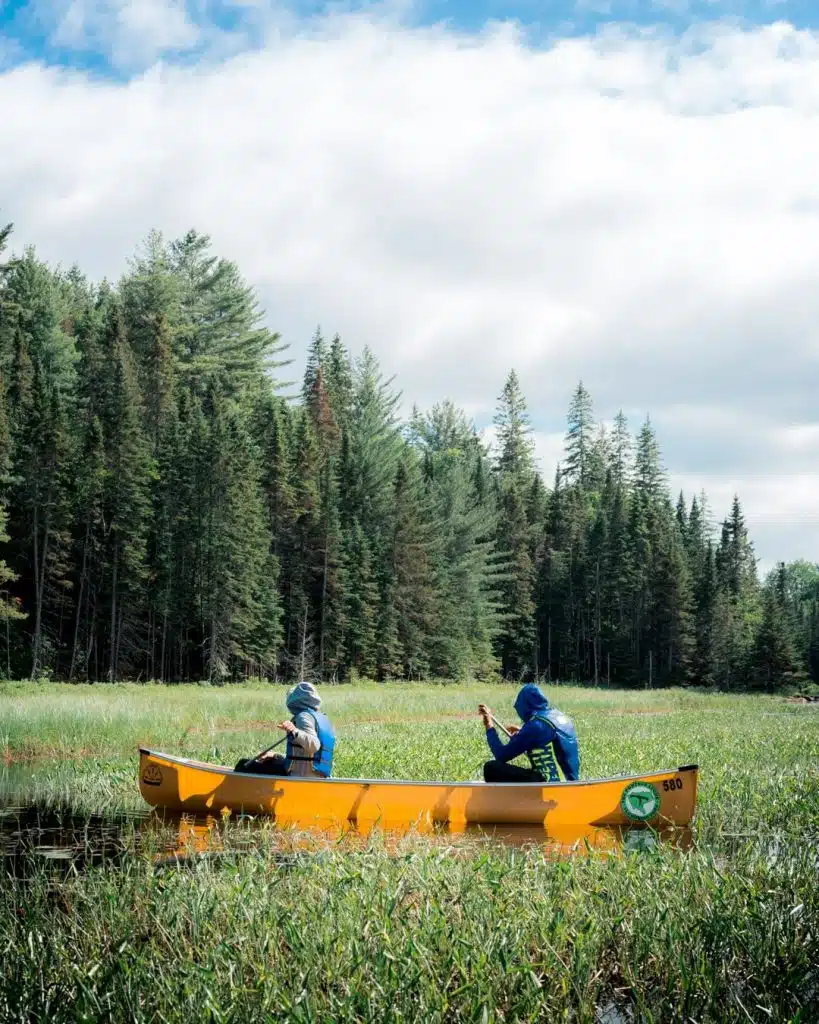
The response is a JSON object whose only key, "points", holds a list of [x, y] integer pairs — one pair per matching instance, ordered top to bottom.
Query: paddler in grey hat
{"points": [[310, 739]]}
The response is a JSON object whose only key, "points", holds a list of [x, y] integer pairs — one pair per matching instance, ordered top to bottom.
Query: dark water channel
{"points": [[33, 838]]}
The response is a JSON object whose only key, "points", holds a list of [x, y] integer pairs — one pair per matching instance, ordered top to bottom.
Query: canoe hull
{"points": [[192, 787]]}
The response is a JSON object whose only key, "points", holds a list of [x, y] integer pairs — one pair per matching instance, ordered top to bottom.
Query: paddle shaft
{"points": [[502, 728], [268, 749]]}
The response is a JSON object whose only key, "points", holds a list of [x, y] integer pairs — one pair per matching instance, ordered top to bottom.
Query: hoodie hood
{"points": [[303, 697], [529, 700]]}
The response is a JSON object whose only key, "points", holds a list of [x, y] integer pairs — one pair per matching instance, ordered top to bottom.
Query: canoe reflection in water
{"points": [[198, 837], [37, 838]]}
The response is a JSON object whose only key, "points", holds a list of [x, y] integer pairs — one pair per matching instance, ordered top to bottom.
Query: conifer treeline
{"points": [[166, 514]]}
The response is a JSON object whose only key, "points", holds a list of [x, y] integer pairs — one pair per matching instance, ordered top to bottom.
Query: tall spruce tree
{"points": [[580, 438], [620, 449], [515, 458], [514, 467], [126, 497], [468, 571], [9, 607], [240, 614], [775, 658]]}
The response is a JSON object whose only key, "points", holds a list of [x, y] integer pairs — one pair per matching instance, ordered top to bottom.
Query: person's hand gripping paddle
{"points": [[489, 720]]}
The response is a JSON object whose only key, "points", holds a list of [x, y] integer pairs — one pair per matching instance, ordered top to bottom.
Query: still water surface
{"points": [[35, 836]]}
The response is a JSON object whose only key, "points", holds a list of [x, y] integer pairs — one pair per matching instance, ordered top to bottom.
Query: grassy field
{"points": [[727, 931]]}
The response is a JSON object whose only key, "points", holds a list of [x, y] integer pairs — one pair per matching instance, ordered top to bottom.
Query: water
{"points": [[37, 836]]}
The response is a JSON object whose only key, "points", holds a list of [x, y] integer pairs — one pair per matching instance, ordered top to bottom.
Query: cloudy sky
{"points": [[623, 191]]}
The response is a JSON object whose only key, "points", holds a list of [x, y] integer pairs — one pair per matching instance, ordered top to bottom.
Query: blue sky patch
{"points": [[119, 38]]}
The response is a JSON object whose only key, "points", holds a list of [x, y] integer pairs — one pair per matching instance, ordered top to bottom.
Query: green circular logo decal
{"points": [[640, 801]]}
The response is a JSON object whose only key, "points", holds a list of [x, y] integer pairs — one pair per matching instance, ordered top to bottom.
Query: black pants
{"points": [[269, 766], [498, 771]]}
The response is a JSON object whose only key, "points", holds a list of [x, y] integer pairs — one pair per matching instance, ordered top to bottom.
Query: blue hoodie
{"points": [[536, 733]]}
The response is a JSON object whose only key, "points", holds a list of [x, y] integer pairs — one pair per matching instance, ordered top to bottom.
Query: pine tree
{"points": [[5, 233], [152, 309], [220, 333], [317, 359], [339, 380], [275, 431], [515, 445], [579, 445], [374, 448], [371, 450], [621, 450], [599, 460], [514, 467], [649, 478], [41, 500], [126, 500], [169, 508], [164, 513], [537, 513], [681, 513], [696, 534], [89, 558], [735, 559], [305, 566], [467, 570], [620, 572], [595, 578], [737, 581], [800, 584], [705, 595], [361, 601], [408, 601], [9, 607], [672, 609], [240, 613], [332, 615], [516, 644], [812, 653], [775, 659]]}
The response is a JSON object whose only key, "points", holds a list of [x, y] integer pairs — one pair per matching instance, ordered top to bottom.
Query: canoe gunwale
{"points": [[224, 770]]}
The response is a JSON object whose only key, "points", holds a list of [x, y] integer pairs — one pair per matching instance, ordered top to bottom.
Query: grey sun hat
{"points": [[303, 697]]}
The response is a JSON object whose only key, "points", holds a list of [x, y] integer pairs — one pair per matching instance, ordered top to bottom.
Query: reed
{"points": [[728, 931], [502, 935]]}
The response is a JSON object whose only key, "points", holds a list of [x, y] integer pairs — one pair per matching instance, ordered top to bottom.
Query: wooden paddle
{"points": [[502, 728], [268, 749]]}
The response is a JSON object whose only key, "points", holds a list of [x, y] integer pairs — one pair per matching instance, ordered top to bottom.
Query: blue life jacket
{"points": [[563, 750], [323, 757]]}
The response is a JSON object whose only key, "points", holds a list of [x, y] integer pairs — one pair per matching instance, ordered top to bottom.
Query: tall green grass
{"points": [[76, 745], [726, 932], [499, 936]]}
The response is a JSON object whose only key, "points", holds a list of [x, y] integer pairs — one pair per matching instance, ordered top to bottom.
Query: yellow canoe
{"points": [[193, 787]]}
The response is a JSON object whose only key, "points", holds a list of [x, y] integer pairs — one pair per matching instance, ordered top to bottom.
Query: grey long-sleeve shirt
{"points": [[305, 744]]}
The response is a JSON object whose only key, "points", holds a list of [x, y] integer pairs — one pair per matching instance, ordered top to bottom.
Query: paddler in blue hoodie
{"points": [[547, 737], [310, 740]]}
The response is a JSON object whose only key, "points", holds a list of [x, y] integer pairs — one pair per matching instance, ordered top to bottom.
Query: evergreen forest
{"points": [[168, 513]]}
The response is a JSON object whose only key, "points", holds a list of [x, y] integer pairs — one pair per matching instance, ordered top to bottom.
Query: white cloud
{"points": [[131, 33], [640, 212]]}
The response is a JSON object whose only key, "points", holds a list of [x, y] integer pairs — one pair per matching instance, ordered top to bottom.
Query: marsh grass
{"points": [[76, 745], [726, 932], [416, 935]]}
